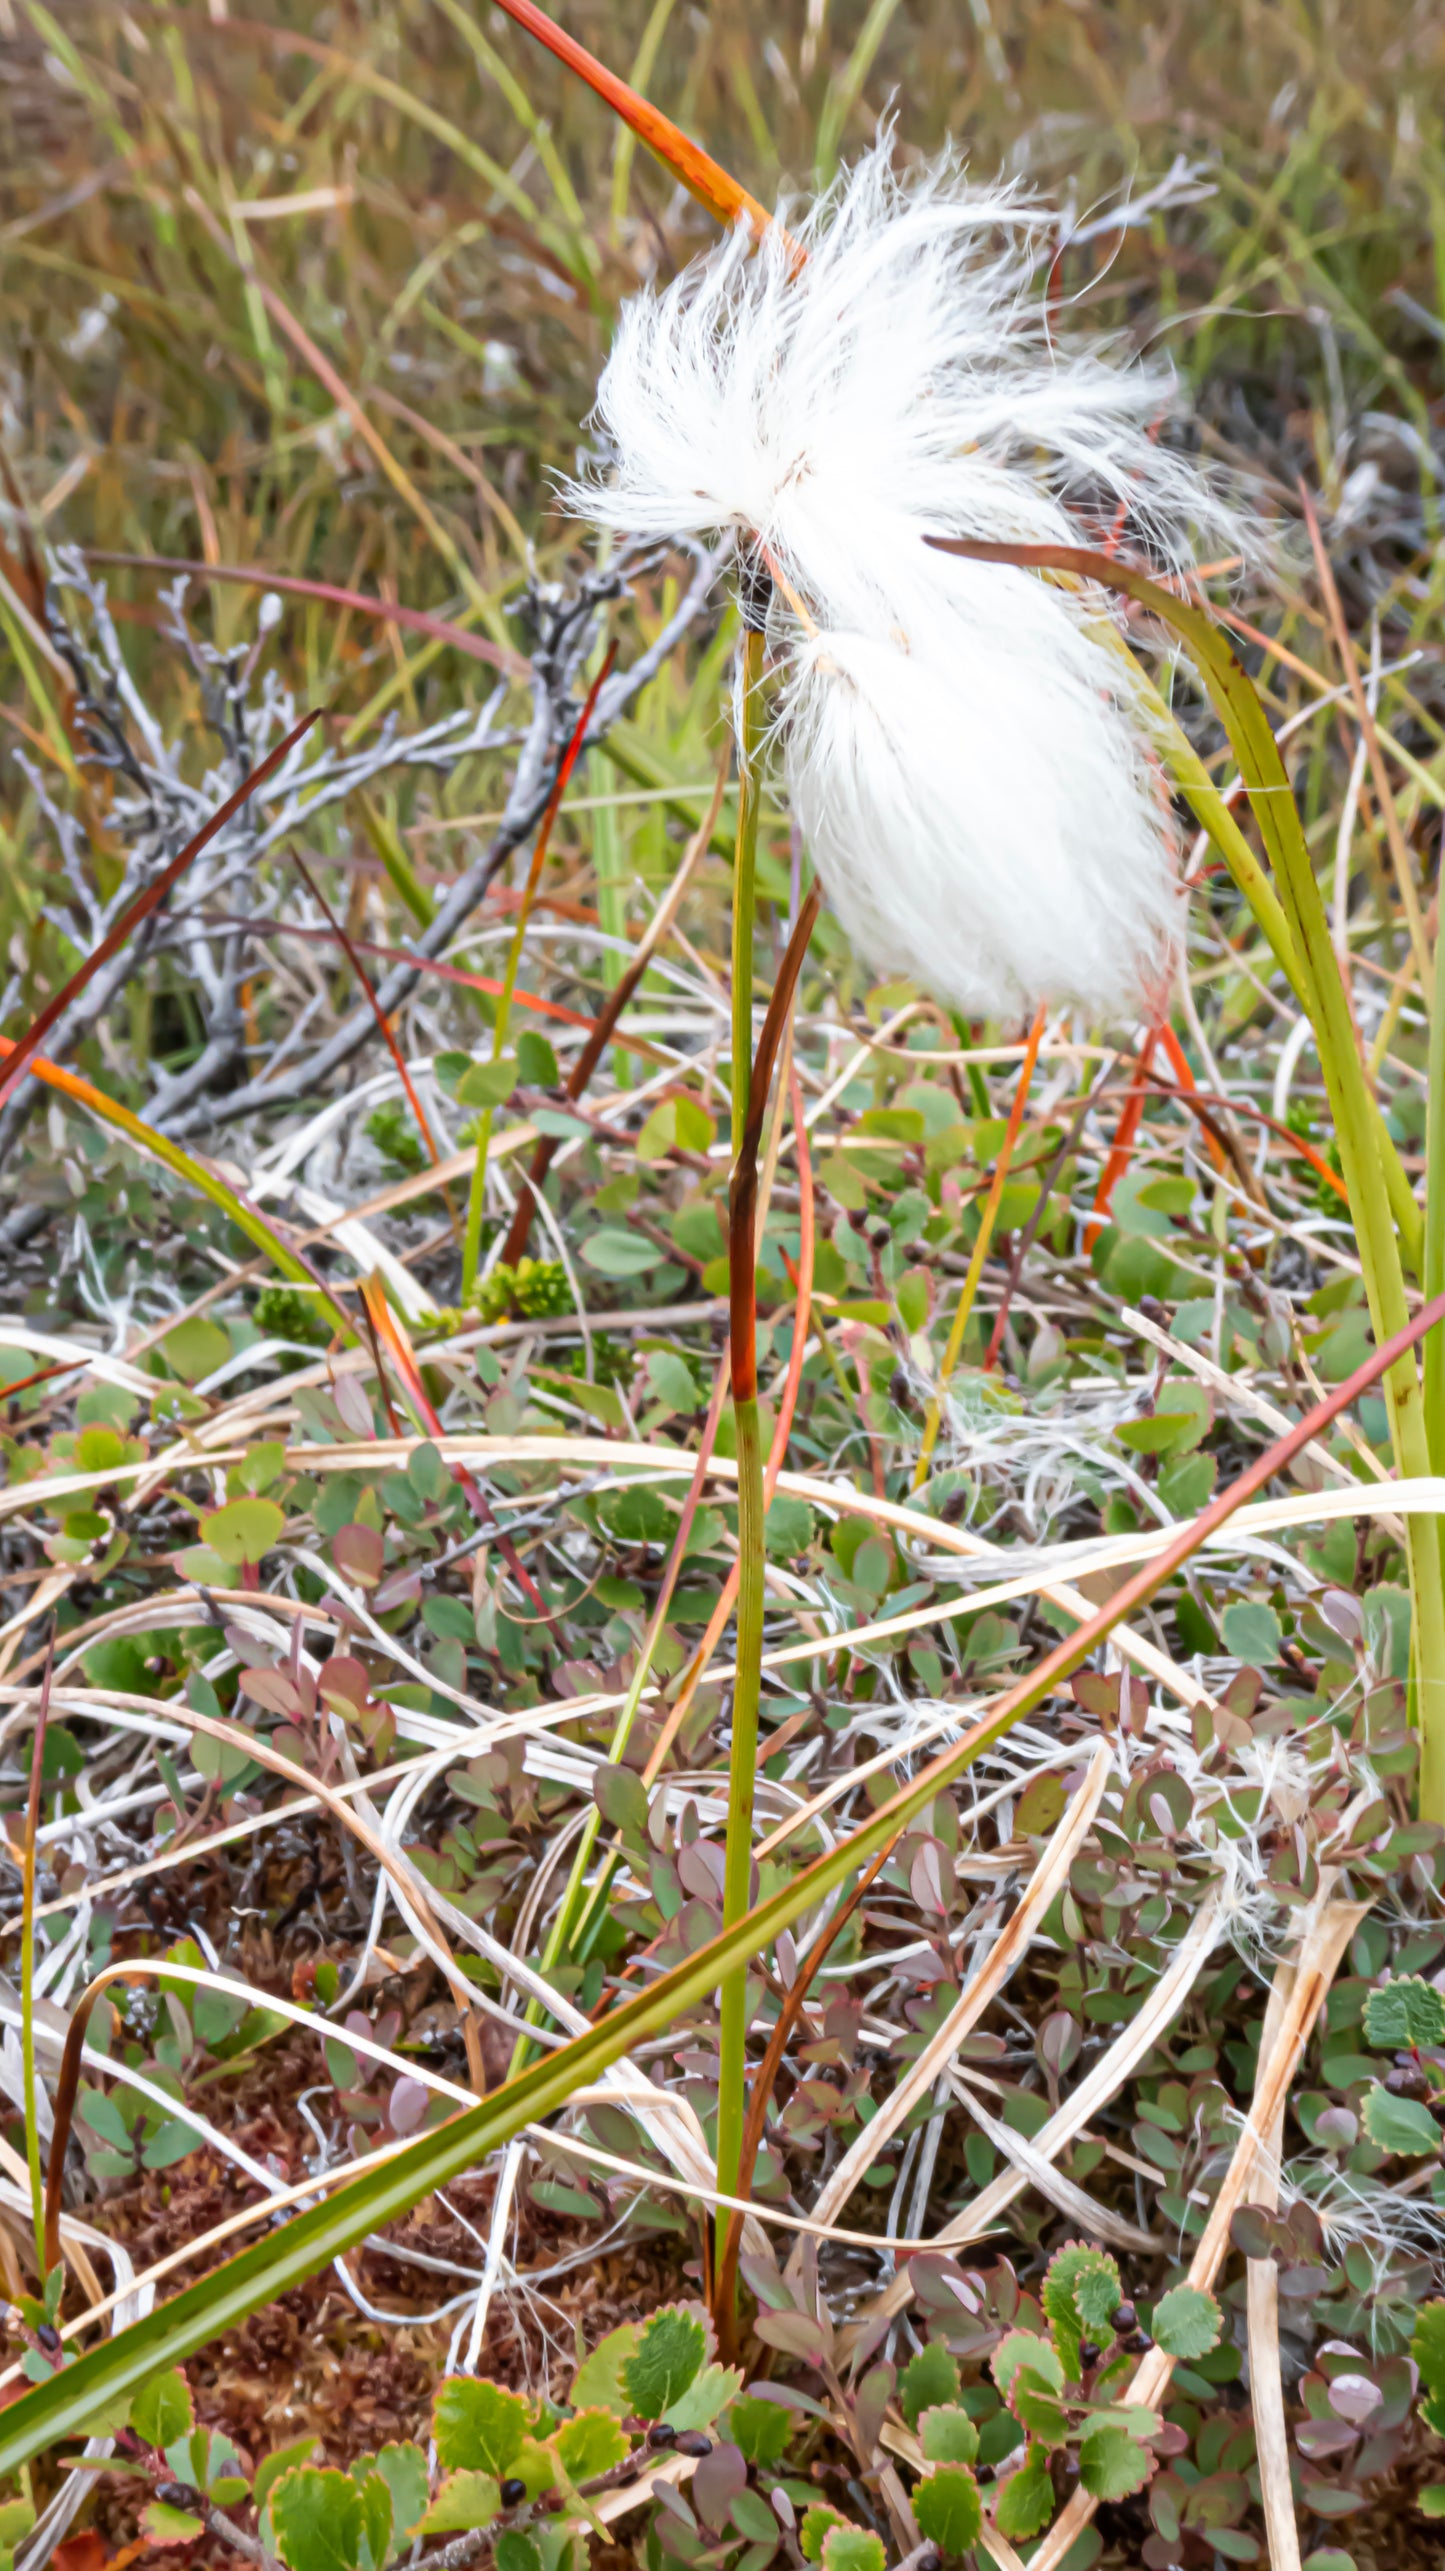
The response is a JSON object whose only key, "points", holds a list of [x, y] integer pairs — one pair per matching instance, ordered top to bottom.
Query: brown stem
{"points": [[743, 1190]]}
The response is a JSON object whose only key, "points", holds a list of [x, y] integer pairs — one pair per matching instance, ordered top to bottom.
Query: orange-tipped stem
{"points": [[701, 175], [1123, 1146]]}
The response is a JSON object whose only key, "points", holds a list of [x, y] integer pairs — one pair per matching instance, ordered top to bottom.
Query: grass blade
{"points": [[197, 1173]]}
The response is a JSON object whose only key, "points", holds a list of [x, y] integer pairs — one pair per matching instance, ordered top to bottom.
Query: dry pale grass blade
{"points": [[1049, 1875], [1305, 1987], [1155, 2015], [1035, 2168], [1266, 2389], [998, 2549]]}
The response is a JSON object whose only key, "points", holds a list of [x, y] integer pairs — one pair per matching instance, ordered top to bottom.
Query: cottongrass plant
{"points": [[965, 749]]}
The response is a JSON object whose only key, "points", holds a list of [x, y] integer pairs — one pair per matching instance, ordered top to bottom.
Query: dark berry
{"points": [[1407, 2081], [1125, 2317], [49, 2337], [1138, 2343], [1089, 2352], [661, 2434], [691, 2441], [512, 2491], [178, 2495], [930, 2560]]}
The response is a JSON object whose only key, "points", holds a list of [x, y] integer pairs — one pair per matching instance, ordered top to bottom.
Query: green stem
{"points": [[747, 1685], [742, 1774], [28, 1864]]}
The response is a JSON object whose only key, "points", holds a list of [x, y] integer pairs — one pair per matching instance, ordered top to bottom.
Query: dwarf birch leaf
{"points": [[1404, 2014], [1399, 2124], [1072, 2272], [1187, 2322], [1427, 2347], [1025, 2348], [671, 2351], [928, 2378], [597, 2383], [705, 2396], [477, 2426], [947, 2435], [590, 2443], [1112, 2463], [1026, 2500], [464, 2502], [948, 2509], [317, 2520], [816, 2522], [165, 2525], [852, 2548]]}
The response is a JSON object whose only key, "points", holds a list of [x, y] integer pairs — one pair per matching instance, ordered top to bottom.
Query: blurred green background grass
{"points": [[329, 287]]}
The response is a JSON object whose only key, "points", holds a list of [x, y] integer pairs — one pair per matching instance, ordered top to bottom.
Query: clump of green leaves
{"points": [[392, 1128], [537, 1289], [290, 1312], [1401, 2113]]}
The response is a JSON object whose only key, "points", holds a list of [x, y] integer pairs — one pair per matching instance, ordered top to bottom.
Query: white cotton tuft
{"points": [[961, 740]]}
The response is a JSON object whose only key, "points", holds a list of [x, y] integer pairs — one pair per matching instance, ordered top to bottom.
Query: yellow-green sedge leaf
{"points": [[1364, 1147], [197, 1174]]}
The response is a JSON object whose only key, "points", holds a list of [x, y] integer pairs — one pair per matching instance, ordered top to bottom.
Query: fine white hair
{"points": [[963, 742]]}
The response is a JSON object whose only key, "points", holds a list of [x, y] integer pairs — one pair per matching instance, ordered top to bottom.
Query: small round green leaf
{"points": [[243, 1530]]}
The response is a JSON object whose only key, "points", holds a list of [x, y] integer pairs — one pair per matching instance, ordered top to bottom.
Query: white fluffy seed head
{"points": [[962, 741]]}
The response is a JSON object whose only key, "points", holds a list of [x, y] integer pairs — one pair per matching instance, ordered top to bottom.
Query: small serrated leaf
{"points": [[1404, 2014], [1399, 2124], [1187, 2322], [1025, 2348], [670, 2353], [928, 2378], [597, 2384], [478, 2427], [947, 2435], [591, 2442], [1112, 2464], [1025, 2501], [464, 2502], [948, 2509], [317, 2519], [816, 2522], [852, 2548]]}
